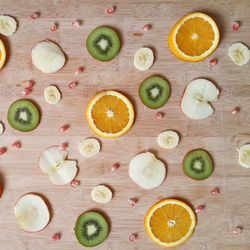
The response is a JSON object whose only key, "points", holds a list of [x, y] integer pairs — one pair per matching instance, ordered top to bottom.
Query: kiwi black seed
{"points": [[103, 43], [154, 92], [23, 115], [197, 164], [91, 229]]}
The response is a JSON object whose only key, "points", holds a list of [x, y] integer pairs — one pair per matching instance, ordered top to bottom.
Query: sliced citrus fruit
{"points": [[194, 37], [2, 54], [110, 114], [170, 222]]}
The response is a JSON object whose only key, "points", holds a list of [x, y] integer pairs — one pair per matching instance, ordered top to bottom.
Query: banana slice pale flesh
{"points": [[8, 25], [239, 53], [144, 58], [52, 95], [168, 139], [89, 147], [244, 155], [101, 194]]}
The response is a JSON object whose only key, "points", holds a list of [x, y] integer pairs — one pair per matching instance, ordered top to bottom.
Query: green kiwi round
{"points": [[103, 43], [154, 92], [23, 115], [198, 164], [91, 229]]}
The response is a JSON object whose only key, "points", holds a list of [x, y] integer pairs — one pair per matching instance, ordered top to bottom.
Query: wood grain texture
{"points": [[219, 134]]}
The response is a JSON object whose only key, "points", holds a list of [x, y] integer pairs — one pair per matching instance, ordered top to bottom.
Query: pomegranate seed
{"points": [[111, 10], [35, 15], [76, 23], [235, 26], [54, 27], [147, 27], [213, 62], [79, 70], [72, 85], [29, 88], [26, 92], [236, 110], [159, 115], [64, 128], [16, 145], [64, 146], [3, 150], [115, 166], [75, 183], [215, 191], [132, 201], [199, 209], [237, 230], [56, 237], [132, 237]]}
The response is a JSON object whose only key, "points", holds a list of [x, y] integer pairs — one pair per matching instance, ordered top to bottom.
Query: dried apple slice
{"points": [[59, 170], [32, 213]]}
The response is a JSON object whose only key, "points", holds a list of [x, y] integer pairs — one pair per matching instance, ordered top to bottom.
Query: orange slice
{"points": [[194, 37], [2, 54], [110, 114], [170, 222]]}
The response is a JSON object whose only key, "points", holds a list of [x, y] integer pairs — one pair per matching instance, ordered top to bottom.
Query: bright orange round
{"points": [[194, 37], [170, 222]]}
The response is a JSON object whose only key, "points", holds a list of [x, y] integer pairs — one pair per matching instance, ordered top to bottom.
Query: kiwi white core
{"points": [[103, 43], [23, 115], [91, 229]]}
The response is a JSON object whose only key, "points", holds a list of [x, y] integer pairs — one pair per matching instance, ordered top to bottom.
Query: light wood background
{"points": [[219, 134]]}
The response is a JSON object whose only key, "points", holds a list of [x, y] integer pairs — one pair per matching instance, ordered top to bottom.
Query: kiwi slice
{"points": [[103, 44], [154, 92], [23, 115], [197, 164], [91, 229]]}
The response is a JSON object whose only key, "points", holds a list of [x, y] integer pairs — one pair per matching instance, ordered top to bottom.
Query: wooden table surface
{"points": [[219, 134]]}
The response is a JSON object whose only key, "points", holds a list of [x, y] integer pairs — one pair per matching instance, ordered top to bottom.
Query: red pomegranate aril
{"points": [[111, 10], [35, 15], [76, 23], [235, 26], [54, 27], [147, 27], [213, 62], [79, 70], [72, 85], [26, 92], [235, 111], [159, 115], [64, 128], [16, 145], [64, 146], [3, 150], [115, 166], [75, 183], [215, 191], [132, 201], [199, 209], [237, 230], [56, 237], [132, 237]]}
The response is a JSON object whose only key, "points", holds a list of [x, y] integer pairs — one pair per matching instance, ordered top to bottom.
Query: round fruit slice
{"points": [[194, 37], [103, 44], [239, 53], [2, 54], [48, 57], [144, 58], [154, 92], [52, 95], [110, 114], [23, 115], [168, 139], [89, 147], [244, 155], [197, 164], [147, 171], [101, 194], [32, 213], [170, 222], [91, 229]]}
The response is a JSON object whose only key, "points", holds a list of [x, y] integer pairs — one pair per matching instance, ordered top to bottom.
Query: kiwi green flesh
{"points": [[103, 43], [154, 92], [23, 115], [197, 164], [91, 229]]}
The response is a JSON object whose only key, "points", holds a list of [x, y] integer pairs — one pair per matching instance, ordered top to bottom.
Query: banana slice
{"points": [[8, 25], [239, 53], [144, 58], [52, 95], [1, 128], [168, 139], [89, 147], [244, 155], [147, 171], [101, 194]]}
